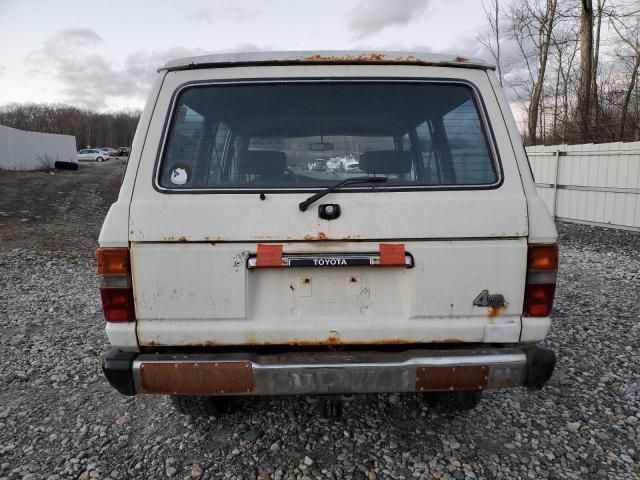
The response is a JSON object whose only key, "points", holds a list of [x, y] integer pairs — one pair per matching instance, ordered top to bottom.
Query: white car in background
{"points": [[112, 152], [93, 154]]}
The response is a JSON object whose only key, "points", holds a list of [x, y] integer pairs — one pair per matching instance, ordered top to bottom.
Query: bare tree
{"points": [[531, 26], [627, 27], [491, 40], [564, 47], [596, 58], [586, 66], [577, 67], [89, 128]]}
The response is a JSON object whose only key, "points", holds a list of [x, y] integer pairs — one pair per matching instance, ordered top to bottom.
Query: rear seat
{"points": [[385, 162], [263, 164]]}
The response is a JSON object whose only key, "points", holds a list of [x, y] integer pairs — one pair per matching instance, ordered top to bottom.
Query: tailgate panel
{"points": [[203, 294]]}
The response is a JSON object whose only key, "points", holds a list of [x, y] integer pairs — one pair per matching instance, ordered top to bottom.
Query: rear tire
{"points": [[99, 159], [453, 402], [198, 406]]}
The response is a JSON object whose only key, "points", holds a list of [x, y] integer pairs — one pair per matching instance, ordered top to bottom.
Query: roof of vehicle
{"points": [[335, 57]]}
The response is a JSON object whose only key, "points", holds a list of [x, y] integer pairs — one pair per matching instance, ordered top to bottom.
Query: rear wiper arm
{"points": [[349, 181]]}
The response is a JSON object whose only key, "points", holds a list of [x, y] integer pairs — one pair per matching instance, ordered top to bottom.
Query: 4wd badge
{"points": [[487, 300]]}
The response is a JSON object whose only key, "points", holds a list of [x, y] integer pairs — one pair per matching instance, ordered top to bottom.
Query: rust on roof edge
{"points": [[368, 59]]}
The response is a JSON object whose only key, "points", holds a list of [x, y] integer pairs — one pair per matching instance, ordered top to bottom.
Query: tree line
{"points": [[571, 65], [91, 129]]}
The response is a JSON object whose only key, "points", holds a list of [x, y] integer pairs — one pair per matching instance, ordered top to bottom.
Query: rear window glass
{"points": [[314, 134]]}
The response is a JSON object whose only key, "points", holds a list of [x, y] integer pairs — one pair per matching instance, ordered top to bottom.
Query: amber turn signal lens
{"points": [[543, 257], [113, 261]]}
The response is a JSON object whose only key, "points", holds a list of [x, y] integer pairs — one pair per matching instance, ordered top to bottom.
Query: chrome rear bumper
{"points": [[317, 373]]}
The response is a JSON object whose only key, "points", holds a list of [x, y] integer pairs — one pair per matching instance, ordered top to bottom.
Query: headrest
{"points": [[262, 162], [386, 162]]}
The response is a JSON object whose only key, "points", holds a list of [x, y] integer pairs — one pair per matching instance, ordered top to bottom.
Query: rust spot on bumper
{"points": [[463, 377], [193, 378]]}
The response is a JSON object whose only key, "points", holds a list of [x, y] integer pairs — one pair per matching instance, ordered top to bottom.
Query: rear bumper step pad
{"points": [[307, 373]]}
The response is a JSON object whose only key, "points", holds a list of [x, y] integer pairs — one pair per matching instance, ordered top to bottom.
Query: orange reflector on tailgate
{"points": [[392, 255], [269, 256], [113, 261]]}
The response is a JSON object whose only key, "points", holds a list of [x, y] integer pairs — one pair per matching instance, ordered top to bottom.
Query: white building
{"points": [[20, 150]]}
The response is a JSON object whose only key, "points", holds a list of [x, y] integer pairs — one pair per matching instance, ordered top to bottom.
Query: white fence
{"points": [[20, 150], [593, 184]]}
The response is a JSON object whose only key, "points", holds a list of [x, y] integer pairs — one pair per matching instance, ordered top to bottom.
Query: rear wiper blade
{"points": [[349, 181]]}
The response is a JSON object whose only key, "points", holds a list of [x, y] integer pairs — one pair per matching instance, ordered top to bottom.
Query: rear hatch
{"points": [[221, 196]]}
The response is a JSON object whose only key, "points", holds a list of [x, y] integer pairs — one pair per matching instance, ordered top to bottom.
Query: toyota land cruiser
{"points": [[327, 223]]}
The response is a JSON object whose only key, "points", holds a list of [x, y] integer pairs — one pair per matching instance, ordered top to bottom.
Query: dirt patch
{"points": [[58, 211]]}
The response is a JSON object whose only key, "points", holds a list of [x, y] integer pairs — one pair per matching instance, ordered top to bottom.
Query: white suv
{"points": [[229, 267]]}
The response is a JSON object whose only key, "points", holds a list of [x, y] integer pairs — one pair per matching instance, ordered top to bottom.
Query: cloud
{"points": [[200, 15], [207, 15], [371, 16], [75, 36], [393, 47], [142, 65], [2, 70], [87, 78]]}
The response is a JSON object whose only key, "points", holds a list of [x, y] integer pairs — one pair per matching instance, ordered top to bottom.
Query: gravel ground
{"points": [[60, 419]]}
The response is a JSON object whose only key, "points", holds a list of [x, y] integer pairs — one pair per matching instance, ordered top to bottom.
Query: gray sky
{"points": [[103, 54]]}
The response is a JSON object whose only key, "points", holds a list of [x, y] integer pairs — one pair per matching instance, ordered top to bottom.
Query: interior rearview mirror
{"points": [[320, 146]]}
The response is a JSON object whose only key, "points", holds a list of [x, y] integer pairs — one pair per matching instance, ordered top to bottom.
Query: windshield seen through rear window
{"points": [[315, 134]]}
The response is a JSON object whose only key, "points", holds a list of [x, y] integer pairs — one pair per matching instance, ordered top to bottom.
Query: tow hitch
{"points": [[328, 406]]}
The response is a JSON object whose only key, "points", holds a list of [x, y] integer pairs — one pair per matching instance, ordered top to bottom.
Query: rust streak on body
{"points": [[317, 236], [494, 312], [333, 340], [208, 343]]}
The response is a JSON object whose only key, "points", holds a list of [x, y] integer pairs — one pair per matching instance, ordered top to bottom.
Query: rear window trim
{"points": [[487, 130]]}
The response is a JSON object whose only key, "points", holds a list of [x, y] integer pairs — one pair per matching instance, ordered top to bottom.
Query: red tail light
{"points": [[542, 268], [115, 288], [539, 300], [117, 304]]}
